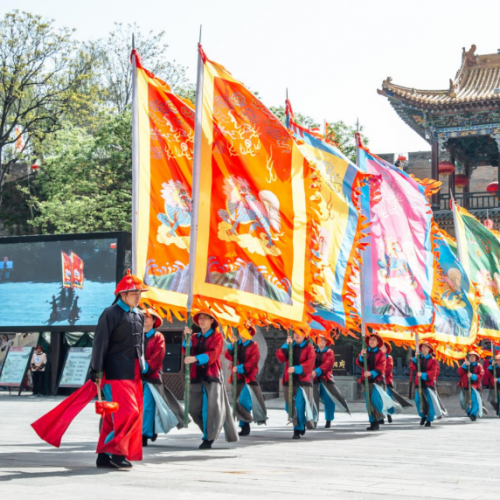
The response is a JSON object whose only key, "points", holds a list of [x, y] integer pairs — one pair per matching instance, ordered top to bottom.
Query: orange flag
{"points": [[164, 142], [257, 208], [77, 266]]}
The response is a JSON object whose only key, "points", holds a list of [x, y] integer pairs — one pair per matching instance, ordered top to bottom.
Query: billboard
{"points": [[60, 282]]}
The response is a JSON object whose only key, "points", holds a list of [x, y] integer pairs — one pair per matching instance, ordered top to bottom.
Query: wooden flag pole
{"points": [[417, 355], [493, 371], [235, 375], [290, 378], [469, 382]]}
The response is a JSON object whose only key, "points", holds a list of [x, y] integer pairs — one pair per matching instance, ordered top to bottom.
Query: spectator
{"points": [[38, 363]]}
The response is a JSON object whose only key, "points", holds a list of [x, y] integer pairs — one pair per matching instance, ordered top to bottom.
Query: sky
{"points": [[331, 55]]}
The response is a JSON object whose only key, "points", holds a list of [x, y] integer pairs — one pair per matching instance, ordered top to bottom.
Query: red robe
{"points": [[211, 346], [154, 354], [248, 356], [303, 356], [325, 361], [376, 363], [427, 365], [389, 366], [464, 379], [487, 381]]}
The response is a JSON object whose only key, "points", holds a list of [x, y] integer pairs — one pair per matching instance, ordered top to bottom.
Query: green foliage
{"points": [[303, 120], [343, 135], [86, 182]]}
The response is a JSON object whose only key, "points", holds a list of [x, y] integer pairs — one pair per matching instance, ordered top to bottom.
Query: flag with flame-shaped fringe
{"points": [[164, 142], [256, 211], [341, 227], [479, 253]]}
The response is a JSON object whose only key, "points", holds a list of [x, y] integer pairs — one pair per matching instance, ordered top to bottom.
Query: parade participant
{"points": [[117, 363], [38, 364], [303, 364], [471, 372], [492, 372], [324, 388], [379, 401], [208, 402], [250, 406], [428, 408], [161, 412]]}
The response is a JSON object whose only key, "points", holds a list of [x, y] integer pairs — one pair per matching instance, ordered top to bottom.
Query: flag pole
{"points": [[135, 159], [194, 219], [362, 298], [417, 356], [493, 371], [235, 375]]}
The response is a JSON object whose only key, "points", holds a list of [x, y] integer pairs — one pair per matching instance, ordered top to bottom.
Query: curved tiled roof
{"points": [[477, 80]]}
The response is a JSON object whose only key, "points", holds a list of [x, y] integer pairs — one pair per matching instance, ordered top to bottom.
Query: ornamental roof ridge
{"points": [[478, 79]]}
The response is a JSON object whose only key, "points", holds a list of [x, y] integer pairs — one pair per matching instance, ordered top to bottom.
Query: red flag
{"points": [[66, 270], [76, 271]]}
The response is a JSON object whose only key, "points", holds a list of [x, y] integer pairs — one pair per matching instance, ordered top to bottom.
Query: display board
{"points": [[59, 282], [16, 366], [76, 368]]}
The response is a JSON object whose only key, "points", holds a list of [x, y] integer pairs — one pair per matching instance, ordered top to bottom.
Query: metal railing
{"points": [[471, 201]]}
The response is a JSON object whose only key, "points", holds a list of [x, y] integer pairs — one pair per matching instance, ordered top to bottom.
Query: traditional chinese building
{"points": [[462, 126]]}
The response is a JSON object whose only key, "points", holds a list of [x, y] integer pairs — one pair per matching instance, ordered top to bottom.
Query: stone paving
{"points": [[455, 459]]}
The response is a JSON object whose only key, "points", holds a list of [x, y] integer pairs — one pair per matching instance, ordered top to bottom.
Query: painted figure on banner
{"points": [[242, 207], [178, 209]]}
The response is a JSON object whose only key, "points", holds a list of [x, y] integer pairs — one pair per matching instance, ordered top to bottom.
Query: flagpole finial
{"points": [[201, 27], [133, 41], [287, 93], [357, 125]]}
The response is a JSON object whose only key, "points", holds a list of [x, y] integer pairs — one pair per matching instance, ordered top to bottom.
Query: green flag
{"points": [[479, 254]]}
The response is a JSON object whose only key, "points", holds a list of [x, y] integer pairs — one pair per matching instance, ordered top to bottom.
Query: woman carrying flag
{"points": [[375, 358], [471, 372], [301, 375], [324, 387], [208, 403], [250, 405], [428, 406], [162, 412]]}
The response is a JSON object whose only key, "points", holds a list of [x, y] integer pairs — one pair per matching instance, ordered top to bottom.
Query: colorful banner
{"points": [[165, 143], [256, 210], [340, 225], [479, 253], [398, 262], [77, 265], [66, 270], [456, 315]]}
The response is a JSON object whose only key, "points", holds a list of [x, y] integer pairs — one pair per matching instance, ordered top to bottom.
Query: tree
{"points": [[114, 53], [39, 80], [303, 120], [343, 135], [86, 180]]}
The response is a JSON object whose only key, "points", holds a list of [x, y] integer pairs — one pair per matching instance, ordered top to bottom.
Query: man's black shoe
{"points": [[473, 418], [389, 419], [422, 421], [381, 422], [328, 424], [372, 424], [427, 424], [245, 429], [302, 432], [296, 435], [153, 439], [144, 441], [205, 445], [103, 461], [120, 462]]}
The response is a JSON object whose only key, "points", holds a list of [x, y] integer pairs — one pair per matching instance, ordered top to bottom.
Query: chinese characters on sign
{"points": [[76, 368]]}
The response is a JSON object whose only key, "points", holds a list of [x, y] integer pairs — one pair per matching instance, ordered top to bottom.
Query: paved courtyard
{"points": [[456, 459]]}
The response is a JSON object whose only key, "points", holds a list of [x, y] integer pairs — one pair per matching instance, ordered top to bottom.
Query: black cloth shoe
{"points": [[473, 418], [389, 419], [422, 421], [381, 422], [328, 424], [372, 424], [427, 424], [245, 429], [302, 432], [296, 435], [153, 439], [144, 441], [206, 445], [103, 461], [120, 462]]}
